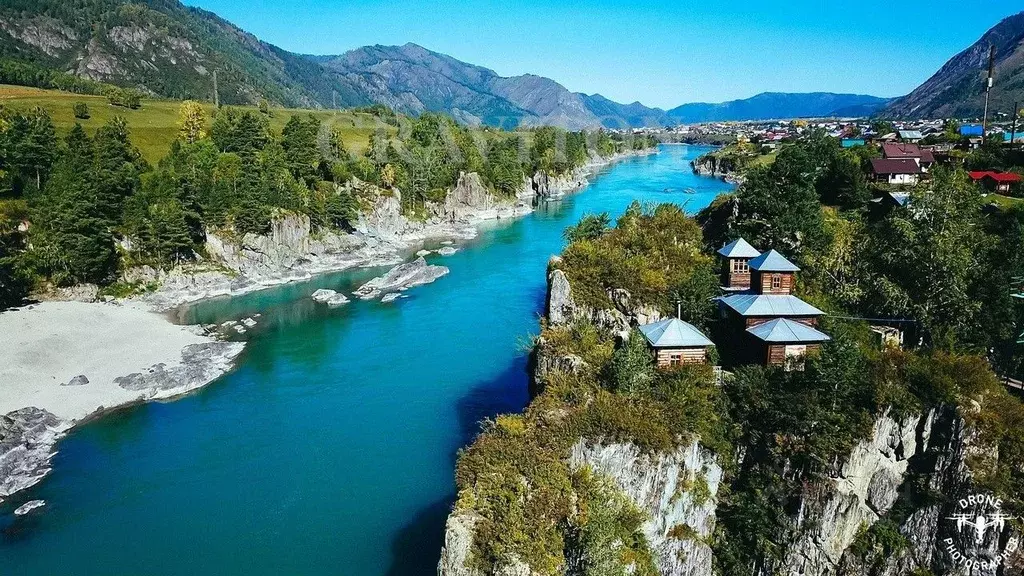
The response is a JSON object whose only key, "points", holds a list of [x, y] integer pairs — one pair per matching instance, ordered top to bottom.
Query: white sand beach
{"points": [[49, 344], [62, 362]]}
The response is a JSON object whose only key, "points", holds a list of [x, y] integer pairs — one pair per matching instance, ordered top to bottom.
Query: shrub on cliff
{"points": [[651, 253]]}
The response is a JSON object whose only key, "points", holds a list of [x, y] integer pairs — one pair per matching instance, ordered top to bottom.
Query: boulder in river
{"points": [[447, 251], [422, 253], [402, 277], [323, 295], [390, 297], [337, 300], [79, 380], [28, 507]]}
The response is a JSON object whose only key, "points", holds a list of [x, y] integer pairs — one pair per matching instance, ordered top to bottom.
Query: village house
{"points": [[911, 136], [902, 151], [896, 171], [998, 182], [892, 199], [772, 326], [675, 342]]}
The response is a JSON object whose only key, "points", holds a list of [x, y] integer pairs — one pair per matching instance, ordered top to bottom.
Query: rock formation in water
{"points": [[401, 278]]}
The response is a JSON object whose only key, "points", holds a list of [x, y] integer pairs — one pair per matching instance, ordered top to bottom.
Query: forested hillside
{"points": [[158, 46], [164, 48], [81, 207]]}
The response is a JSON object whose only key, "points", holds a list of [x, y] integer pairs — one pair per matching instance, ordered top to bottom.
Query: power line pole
{"points": [[988, 90], [216, 93], [1013, 131]]}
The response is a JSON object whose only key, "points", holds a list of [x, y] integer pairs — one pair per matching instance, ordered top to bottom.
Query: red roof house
{"points": [[996, 181]]}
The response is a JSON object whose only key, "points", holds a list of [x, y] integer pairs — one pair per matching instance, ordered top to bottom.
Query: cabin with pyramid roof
{"points": [[736, 257], [772, 273], [767, 323], [675, 342], [784, 342]]}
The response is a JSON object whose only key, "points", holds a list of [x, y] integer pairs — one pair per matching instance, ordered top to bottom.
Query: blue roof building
{"points": [[972, 130], [739, 248], [772, 261], [769, 305], [778, 327], [783, 331], [676, 342]]}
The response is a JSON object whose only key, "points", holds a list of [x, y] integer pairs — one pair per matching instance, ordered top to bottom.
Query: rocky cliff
{"points": [[292, 250], [905, 483], [677, 492]]}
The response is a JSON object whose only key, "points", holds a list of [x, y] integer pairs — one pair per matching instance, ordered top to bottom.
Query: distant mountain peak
{"points": [[171, 50], [957, 89]]}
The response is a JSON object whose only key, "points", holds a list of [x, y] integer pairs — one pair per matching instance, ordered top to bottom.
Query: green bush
{"points": [[81, 110]]}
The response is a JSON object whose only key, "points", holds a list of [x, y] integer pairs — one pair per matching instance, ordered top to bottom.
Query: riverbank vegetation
{"points": [[81, 205], [942, 268]]}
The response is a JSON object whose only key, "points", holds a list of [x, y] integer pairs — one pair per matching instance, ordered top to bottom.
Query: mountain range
{"points": [[168, 49], [957, 89], [774, 105]]}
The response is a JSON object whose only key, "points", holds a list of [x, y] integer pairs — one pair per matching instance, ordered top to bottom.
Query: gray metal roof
{"points": [[901, 198], [739, 248], [772, 261], [769, 305], [788, 331], [674, 333]]}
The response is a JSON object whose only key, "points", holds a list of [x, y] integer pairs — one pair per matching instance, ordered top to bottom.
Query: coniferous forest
{"points": [[79, 207]]}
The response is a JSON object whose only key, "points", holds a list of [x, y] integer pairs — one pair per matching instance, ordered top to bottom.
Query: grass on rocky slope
{"points": [[154, 125]]}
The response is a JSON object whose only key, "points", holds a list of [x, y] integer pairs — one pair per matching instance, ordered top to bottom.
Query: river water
{"points": [[331, 448]]}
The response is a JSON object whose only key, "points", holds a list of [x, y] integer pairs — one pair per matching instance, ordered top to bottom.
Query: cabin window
{"points": [[740, 266], [776, 281], [795, 355], [675, 359]]}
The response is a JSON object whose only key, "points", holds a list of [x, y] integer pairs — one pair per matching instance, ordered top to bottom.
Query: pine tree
{"points": [[299, 140], [32, 143], [117, 168], [72, 241]]}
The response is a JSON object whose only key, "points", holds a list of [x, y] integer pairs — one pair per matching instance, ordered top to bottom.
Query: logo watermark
{"points": [[977, 515]]}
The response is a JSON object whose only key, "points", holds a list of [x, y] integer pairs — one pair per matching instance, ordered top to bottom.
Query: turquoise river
{"points": [[331, 448]]}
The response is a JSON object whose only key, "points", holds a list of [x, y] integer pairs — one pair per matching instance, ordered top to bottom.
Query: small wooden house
{"points": [[896, 171], [737, 256], [772, 273], [771, 326], [675, 342], [783, 342]]}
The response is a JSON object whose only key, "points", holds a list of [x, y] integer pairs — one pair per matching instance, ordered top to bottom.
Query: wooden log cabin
{"points": [[736, 270], [774, 327], [675, 342], [783, 342]]}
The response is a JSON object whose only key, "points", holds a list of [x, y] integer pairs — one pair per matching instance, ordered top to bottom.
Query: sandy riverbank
{"points": [[126, 355]]}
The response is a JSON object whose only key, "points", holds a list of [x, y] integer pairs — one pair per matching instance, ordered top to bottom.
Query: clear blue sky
{"points": [[660, 53]]}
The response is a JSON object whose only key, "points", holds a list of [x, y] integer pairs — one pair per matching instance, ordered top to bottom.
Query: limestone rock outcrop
{"points": [[401, 277], [27, 437], [677, 491]]}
